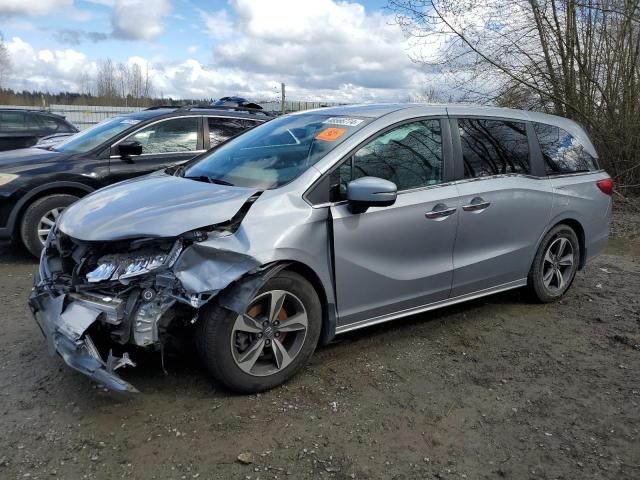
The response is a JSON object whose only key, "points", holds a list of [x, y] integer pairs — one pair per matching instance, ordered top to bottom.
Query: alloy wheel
{"points": [[47, 222], [558, 265], [269, 336]]}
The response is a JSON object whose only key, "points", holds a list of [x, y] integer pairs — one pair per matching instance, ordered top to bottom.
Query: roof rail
{"points": [[160, 107], [255, 111]]}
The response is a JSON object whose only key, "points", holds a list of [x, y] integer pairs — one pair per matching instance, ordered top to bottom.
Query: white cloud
{"points": [[32, 7], [139, 19], [217, 24], [321, 45], [323, 50], [47, 70]]}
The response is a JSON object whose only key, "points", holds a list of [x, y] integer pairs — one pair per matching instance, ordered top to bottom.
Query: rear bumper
{"points": [[64, 326]]}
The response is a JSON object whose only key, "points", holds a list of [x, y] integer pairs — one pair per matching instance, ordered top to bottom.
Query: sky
{"points": [[323, 50]]}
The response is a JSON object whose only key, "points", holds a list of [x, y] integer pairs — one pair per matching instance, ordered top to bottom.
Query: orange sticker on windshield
{"points": [[330, 134]]}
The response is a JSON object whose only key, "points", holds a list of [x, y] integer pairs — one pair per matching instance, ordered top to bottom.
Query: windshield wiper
{"points": [[204, 178], [220, 182]]}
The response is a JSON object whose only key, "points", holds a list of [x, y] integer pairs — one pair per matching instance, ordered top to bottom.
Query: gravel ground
{"points": [[495, 388]]}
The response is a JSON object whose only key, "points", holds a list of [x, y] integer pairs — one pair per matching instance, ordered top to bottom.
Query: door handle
{"points": [[476, 205], [440, 211]]}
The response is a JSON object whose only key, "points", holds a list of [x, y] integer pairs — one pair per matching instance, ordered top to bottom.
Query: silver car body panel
{"points": [[496, 245], [393, 258], [369, 268]]}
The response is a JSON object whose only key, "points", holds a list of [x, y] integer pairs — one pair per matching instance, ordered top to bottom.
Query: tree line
{"points": [[41, 99]]}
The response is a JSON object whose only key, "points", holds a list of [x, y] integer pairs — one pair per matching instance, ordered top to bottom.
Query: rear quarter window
{"points": [[562, 152]]}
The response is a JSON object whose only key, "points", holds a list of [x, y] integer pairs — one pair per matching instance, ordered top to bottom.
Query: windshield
{"points": [[92, 137], [276, 152]]}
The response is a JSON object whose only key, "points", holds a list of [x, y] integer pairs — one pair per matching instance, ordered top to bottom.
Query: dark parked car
{"points": [[23, 128], [36, 184]]}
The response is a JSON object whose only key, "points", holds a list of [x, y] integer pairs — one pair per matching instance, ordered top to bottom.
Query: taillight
{"points": [[605, 185]]}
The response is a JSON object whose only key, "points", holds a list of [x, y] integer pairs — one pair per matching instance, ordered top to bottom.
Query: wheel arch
{"points": [[54, 188], [577, 227], [237, 295]]}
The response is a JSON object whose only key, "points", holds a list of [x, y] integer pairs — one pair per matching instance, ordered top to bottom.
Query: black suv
{"points": [[23, 128], [36, 184]]}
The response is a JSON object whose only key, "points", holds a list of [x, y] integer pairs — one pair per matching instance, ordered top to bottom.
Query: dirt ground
{"points": [[495, 388]]}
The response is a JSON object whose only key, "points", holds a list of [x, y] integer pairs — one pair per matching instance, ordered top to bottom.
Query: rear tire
{"points": [[39, 216], [555, 264], [283, 337]]}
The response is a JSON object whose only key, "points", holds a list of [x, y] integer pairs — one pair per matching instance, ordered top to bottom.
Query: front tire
{"points": [[39, 218], [555, 264], [269, 343]]}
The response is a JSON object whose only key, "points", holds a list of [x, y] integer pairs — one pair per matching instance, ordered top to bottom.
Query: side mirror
{"points": [[127, 149], [366, 192]]}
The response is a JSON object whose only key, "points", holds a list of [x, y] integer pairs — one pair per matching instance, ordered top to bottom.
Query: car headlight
{"points": [[6, 178], [124, 266]]}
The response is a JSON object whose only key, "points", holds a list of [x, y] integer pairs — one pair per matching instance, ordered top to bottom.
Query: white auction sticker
{"points": [[348, 121]]}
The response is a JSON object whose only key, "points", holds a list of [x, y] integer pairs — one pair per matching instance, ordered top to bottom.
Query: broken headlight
{"points": [[124, 266]]}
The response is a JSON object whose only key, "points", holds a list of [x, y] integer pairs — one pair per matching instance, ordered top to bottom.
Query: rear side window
{"points": [[32, 122], [49, 123], [220, 129], [493, 147], [561, 151]]}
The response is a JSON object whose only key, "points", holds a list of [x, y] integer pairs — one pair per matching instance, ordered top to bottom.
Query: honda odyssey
{"points": [[315, 224]]}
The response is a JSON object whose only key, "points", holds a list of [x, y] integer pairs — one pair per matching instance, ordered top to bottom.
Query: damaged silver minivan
{"points": [[318, 223]]}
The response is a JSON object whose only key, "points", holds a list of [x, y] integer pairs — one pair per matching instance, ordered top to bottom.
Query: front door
{"points": [[164, 143], [504, 209], [395, 258]]}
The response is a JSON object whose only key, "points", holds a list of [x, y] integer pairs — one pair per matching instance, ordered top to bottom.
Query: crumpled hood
{"points": [[151, 206]]}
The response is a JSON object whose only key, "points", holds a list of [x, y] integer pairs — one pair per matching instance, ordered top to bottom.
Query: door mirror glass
{"points": [[129, 148], [366, 192]]}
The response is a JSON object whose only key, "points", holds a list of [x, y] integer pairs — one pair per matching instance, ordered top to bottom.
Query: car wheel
{"points": [[40, 217], [555, 264], [269, 343]]}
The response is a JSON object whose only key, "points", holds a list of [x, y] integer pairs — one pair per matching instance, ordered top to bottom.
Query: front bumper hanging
{"points": [[64, 325]]}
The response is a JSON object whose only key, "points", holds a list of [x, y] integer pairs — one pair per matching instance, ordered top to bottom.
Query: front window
{"points": [[96, 135], [169, 136], [276, 152], [409, 155]]}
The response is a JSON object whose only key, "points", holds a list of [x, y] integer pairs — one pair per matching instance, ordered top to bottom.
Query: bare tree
{"points": [[576, 58], [5, 64], [106, 81], [124, 81], [84, 84], [140, 84]]}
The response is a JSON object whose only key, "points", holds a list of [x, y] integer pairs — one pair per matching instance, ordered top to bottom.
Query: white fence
{"points": [[83, 116]]}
